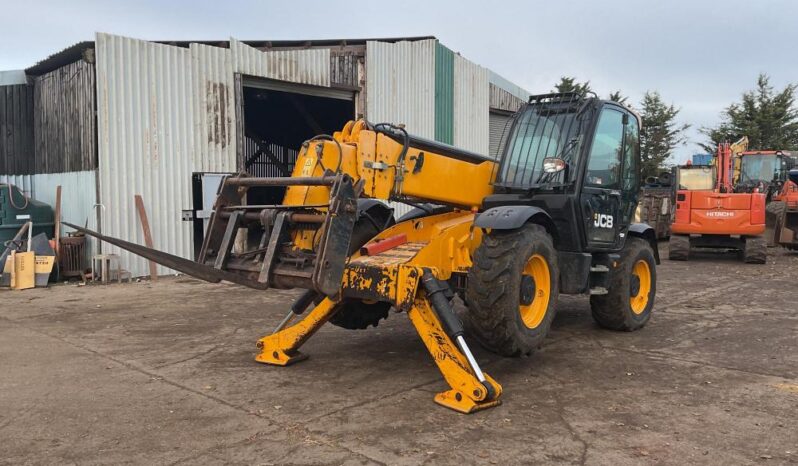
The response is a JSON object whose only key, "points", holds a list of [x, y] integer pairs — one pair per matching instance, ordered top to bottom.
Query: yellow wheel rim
{"points": [[638, 299], [533, 306]]}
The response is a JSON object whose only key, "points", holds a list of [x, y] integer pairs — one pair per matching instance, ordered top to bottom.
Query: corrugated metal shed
{"points": [[299, 66], [400, 85], [144, 99], [213, 103], [470, 106], [166, 111], [64, 121], [16, 130]]}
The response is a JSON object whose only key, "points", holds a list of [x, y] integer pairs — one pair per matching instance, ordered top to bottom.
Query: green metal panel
{"points": [[444, 94]]}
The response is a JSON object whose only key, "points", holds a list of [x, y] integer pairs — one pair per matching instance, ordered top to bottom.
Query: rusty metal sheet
{"points": [[310, 66], [146, 143]]}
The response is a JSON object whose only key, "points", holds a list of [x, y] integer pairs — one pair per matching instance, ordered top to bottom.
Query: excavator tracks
{"points": [[679, 247], [755, 250]]}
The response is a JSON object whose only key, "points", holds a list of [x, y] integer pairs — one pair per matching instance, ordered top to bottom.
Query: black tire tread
{"points": [[679, 247], [755, 250], [492, 298], [612, 310]]}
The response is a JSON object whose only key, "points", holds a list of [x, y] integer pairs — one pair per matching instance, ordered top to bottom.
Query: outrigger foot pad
{"points": [[456, 400]]}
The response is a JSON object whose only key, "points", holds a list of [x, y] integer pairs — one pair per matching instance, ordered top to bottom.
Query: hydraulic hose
{"points": [[327, 137]]}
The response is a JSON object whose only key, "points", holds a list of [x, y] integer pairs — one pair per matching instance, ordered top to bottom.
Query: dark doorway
{"points": [[277, 122]]}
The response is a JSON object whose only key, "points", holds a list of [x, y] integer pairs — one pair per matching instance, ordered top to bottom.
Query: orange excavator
{"points": [[718, 217]]}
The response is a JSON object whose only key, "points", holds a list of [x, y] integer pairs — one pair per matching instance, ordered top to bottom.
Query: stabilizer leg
{"points": [[281, 348], [467, 394]]}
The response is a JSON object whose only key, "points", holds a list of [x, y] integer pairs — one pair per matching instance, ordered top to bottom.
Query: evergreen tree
{"points": [[570, 84], [617, 97], [767, 117], [660, 133]]}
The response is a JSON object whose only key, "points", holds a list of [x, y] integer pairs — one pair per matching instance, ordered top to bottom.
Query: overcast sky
{"points": [[699, 54]]}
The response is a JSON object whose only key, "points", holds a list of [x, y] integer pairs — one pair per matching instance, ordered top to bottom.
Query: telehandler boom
{"points": [[552, 215]]}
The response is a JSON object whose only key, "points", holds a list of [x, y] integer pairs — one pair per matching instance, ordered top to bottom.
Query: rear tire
{"points": [[679, 247], [755, 250], [633, 286], [512, 290], [354, 314]]}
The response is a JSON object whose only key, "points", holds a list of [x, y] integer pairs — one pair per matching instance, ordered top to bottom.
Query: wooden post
{"points": [[57, 222], [145, 225]]}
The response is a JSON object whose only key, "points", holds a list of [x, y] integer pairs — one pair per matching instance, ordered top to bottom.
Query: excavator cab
{"points": [[763, 171]]}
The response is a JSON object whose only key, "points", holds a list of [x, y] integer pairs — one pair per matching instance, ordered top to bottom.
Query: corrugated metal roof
{"points": [[75, 52], [66, 56], [298, 66], [400, 85], [508, 86], [470, 106], [146, 134]]}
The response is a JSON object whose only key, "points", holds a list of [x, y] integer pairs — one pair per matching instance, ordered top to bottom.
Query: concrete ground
{"points": [[163, 373]]}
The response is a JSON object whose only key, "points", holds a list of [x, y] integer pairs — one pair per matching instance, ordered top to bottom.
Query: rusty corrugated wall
{"points": [[310, 66], [213, 104], [64, 120], [16, 130], [146, 143]]}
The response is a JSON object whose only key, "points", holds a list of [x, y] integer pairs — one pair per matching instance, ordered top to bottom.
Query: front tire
{"points": [[633, 286], [512, 290]]}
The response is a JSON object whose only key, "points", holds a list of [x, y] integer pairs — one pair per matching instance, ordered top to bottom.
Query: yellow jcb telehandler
{"points": [[552, 216]]}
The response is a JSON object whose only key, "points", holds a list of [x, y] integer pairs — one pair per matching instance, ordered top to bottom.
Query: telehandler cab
{"points": [[552, 216]]}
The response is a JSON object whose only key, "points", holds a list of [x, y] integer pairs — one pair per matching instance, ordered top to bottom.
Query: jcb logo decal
{"points": [[602, 220]]}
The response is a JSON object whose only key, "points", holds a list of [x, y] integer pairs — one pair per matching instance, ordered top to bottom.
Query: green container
{"points": [[40, 214]]}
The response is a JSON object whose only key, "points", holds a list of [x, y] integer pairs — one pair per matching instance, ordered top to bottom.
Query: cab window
{"points": [[604, 162]]}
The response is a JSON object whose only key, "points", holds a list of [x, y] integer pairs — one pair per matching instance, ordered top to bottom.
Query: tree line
{"points": [[767, 116]]}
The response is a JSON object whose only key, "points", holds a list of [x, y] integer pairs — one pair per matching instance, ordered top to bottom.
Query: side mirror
{"points": [[553, 165]]}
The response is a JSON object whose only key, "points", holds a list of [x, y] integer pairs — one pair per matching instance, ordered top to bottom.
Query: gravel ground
{"points": [[163, 373]]}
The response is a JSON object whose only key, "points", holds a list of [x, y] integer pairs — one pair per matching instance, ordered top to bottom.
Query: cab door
{"points": [[609, 190]]}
